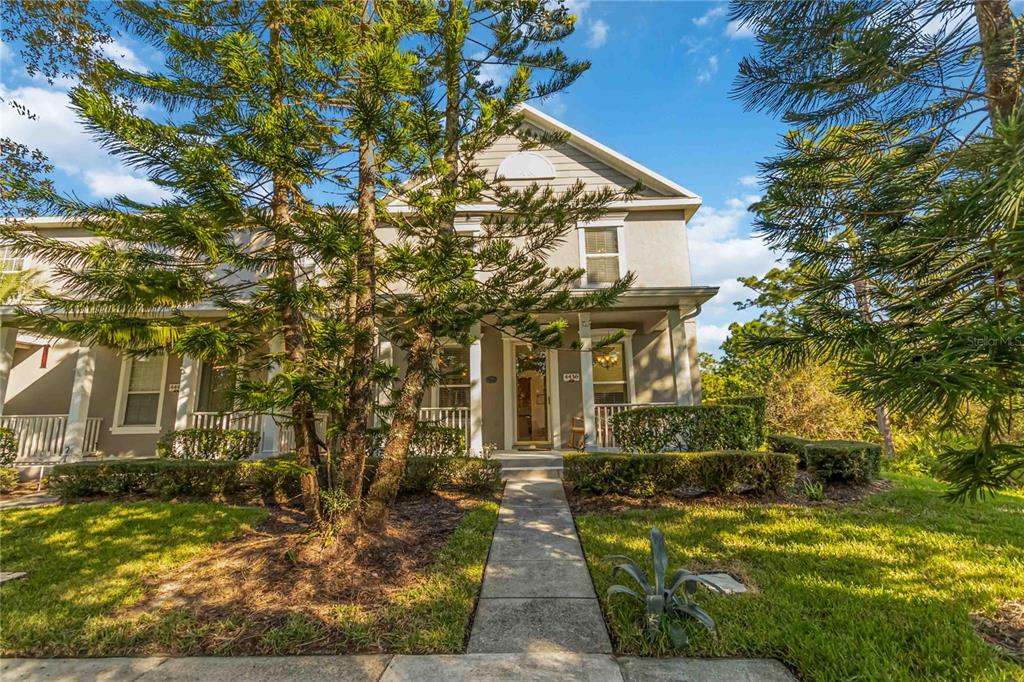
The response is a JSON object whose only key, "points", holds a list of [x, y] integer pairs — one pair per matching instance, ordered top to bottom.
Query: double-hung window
{"points": [[601, 254], [10, 262], [613, 370], [453, 387], [214, 389], [140, 393]]}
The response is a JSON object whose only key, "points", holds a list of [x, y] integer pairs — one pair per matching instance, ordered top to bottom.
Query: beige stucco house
{"points": [[66, 400]]}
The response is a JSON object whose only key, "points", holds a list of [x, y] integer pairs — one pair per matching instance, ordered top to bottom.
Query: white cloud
{"points": [[577, 7], [716, 12], [736, 30], [597, 34], [123, 56], [708, 71], [499, 74], [554, 104], [749, 180], [109, 184], [722, 248], [710, 336]]}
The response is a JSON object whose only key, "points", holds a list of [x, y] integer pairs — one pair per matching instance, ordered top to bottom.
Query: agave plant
{"points": [[666, 601]]}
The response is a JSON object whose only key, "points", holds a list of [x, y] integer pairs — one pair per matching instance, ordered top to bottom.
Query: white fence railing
{"points": [[453, 417], [220, 421], [603, 421], [41, 436]]}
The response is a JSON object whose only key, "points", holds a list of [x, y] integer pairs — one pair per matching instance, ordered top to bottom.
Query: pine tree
{"points": [[940, 232]]}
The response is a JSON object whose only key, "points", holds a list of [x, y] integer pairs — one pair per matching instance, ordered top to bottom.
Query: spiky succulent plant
{"points": [[666, 602]]}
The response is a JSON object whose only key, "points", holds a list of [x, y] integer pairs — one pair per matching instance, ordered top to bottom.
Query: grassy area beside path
{"points": [[881, 589]]}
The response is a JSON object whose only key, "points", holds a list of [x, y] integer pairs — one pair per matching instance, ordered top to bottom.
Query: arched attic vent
{"points": [[525, 166]]}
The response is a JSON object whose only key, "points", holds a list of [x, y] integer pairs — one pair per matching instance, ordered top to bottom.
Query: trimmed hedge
{"points": [[757, 403], [687, 428], [428, 440], [208, 444], [791, 444], [8, 447], [843, 460], [650, 475], [274, 479], [8, 480]]}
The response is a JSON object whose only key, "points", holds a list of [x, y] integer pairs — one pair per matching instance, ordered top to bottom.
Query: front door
{"points": [[531, 382]]}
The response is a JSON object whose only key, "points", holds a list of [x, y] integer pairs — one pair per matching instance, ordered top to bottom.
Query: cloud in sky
{"points": [[716, 12], [736, 30], [597, 34], [123, 56], [708, 70], [554, 104], [749, 180]]}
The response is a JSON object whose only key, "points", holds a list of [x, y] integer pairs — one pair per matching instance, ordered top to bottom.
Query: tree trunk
{"points": [[999, 56], [862, 292], [292, 324], [403, 423]]}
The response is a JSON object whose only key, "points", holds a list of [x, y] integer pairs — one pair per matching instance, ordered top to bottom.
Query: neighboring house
{"points": [[64, 399]]}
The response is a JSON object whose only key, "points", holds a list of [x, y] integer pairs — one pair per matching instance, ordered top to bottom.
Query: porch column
{"points": [[8, 340], [691, 340], [385, 355], [680, 357], [587, 383], [186, 390], [476, 395], [78, 409], [270, 433]]}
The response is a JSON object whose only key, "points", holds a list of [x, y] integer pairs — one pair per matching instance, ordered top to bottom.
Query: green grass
{"points": [[87, 560], [882, 589]]}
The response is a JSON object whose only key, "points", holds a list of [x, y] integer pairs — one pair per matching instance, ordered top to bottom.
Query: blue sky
{"points": [[658, 92]]}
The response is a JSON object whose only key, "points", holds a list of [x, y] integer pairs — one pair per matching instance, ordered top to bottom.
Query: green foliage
{"points": [[758, 404], [687, 428], [428, 440], [208, 444], [791, 444], [8, 447], [843, 460], [428, 474], [651, 475], [8, 479], [272, 480], [814, 491], [335, 505], [669, 599]]}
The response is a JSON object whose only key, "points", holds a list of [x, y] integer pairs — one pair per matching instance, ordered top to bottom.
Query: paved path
{"points": [[27, 501], [537, 595], [561, 667]]}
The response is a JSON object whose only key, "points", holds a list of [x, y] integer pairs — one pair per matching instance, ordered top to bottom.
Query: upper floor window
{"points": [[602, 256], [10, 262], [453, 389], [141, 393]]}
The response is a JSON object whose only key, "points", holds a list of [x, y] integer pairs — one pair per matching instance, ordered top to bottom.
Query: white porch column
{"points": [[8, 340], [691, 340], [385, 355], [680, 357], [587, 383], [187, 387], [476, 396], [78, 410], [270, 433]]}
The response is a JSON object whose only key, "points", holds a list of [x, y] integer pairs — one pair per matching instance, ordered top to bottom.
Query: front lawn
{"points": [[86, 560], [881, 589]]}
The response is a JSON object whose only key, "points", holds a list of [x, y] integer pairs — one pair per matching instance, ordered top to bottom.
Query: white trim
{"points": [[613, 158], [525, 165], [639, 204], [620, 244], [680, 358], [627, 360], [509, 368], [587, 382], [188, 388], [476, 395], [554, 397], [78, 409], [118, 428]]}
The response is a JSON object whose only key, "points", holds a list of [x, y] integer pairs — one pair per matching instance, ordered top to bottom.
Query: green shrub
{"points": [[757, 403], [686, 428], [428, 440], [208, 444], [791, 444], [8, 447], [843, 460], [427, 474], [649, 475], [274, 479], [8, 480]]}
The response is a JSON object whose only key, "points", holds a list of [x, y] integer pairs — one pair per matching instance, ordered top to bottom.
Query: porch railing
{"points": [[453, 417], [220, 421], [603, 421], [42, 435]]}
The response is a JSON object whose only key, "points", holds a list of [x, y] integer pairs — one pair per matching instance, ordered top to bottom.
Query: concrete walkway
{"points": [[28, 501], [537, 595], [528, 667]]}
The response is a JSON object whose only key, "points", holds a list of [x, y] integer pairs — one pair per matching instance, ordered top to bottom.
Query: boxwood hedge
{"points": [[686, 428], [208, 444], [851, 461], [649, 475]]}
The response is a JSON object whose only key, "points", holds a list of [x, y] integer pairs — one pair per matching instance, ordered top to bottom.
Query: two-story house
{"points": [[64, 399]]}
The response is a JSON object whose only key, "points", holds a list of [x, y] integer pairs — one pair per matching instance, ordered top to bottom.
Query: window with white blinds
{"points": [[603, 254], [141, 391]]}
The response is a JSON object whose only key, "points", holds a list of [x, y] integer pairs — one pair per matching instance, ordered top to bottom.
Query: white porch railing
{"points": [[453, 417], [220, 421], [603, 421], [286, 434], [41, 436]]}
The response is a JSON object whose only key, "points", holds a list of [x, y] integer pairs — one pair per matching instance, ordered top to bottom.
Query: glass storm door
{"points": [[531, 395]]}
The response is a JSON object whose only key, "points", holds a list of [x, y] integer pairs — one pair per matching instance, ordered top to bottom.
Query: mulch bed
{"points": [[836, 494], [280, 569], [1004, 630]]}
